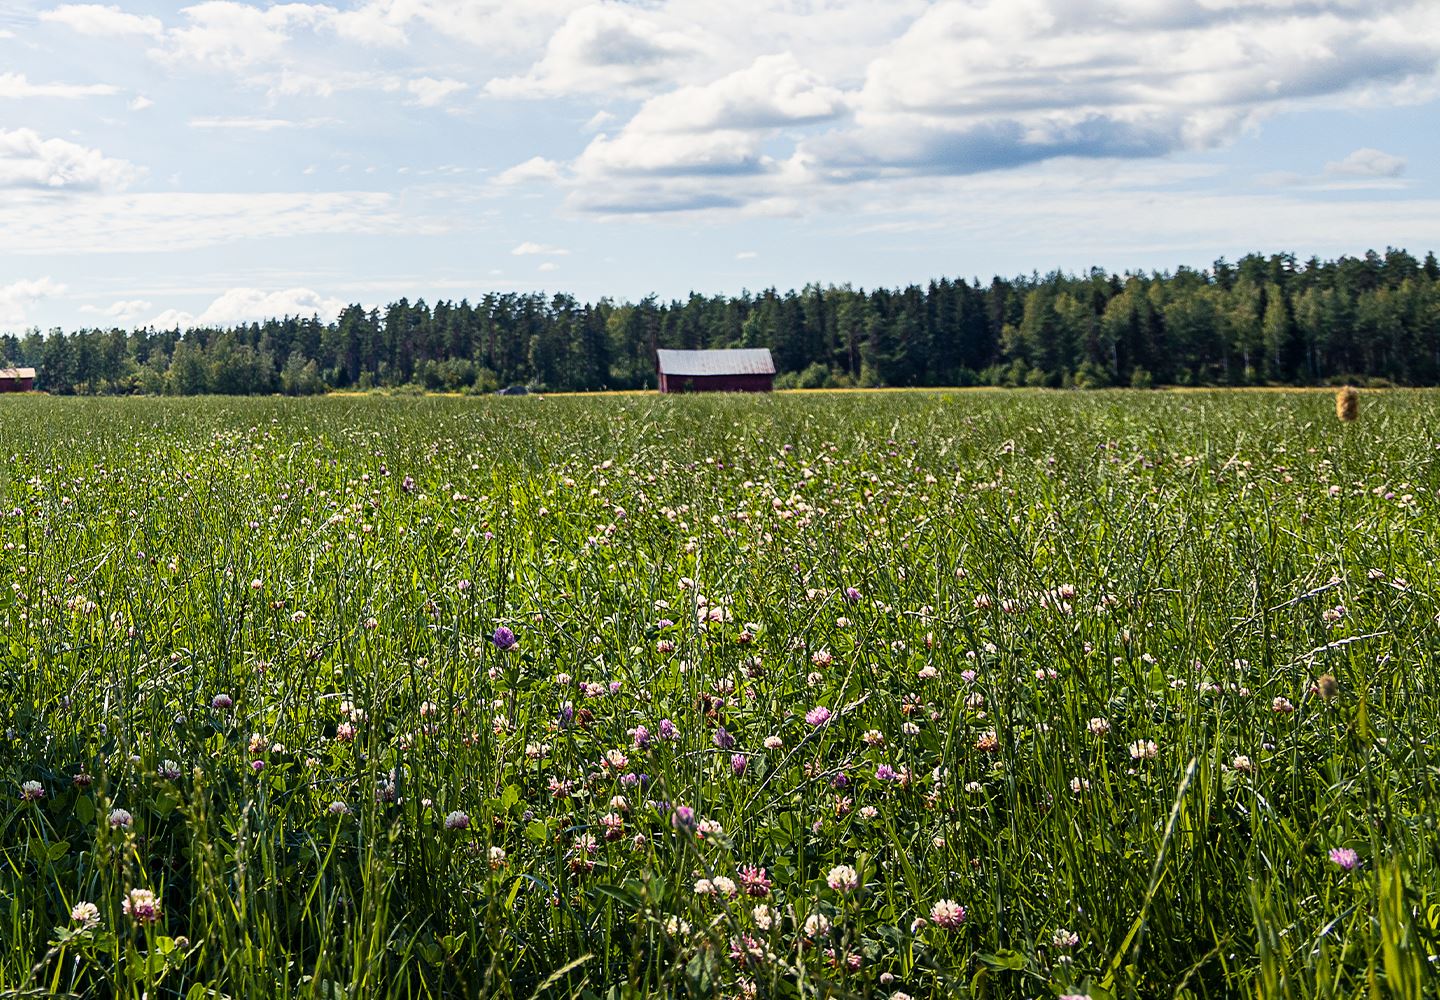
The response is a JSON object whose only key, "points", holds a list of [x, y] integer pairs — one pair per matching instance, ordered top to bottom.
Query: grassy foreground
{"points": [[991, 694]]}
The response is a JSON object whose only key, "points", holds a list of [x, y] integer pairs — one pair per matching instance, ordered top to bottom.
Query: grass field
{"points": [[991, 694]]}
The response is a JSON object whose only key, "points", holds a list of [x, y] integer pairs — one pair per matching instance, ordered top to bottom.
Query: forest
{"points": [[1372, 319]]}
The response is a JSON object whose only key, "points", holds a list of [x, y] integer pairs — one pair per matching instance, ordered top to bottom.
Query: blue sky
{"points": [[223, 161]]}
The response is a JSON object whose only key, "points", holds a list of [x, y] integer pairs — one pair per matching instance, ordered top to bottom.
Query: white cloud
{"points": [[102, 21], [377, 24], [501, 27], [232, 36], [601, 48], [992, 84], [15, 85], [959, 87], [429, 92], [771, 92], [140, 103], [599, 120], [244, 124], [715, 130], [28, 161], [1368, 163], [537, 168], [169, 222], [531, 249], [746, 255], [548, 266], [18, 296], [247, 305], [122, 313]]}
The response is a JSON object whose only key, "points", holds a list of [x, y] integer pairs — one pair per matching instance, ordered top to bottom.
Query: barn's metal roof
{"points": [[750, 361], [17, 372]]}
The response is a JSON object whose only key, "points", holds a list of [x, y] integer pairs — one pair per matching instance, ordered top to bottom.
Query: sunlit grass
{"points": [[1115, 674]]}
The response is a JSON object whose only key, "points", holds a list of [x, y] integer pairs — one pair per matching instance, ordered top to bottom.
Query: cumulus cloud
{"points": [[103, 21], [377, 24], [503, 27], [225, 34], [601, 48], [16, 85], [973, 86], [978, 86], [429, 92], [771, 92], [599, 120], [714, 130], [29, 161], [1368, 163], [537, 168], [528, 249], [17, 297], [247, 305], [122, 313]]}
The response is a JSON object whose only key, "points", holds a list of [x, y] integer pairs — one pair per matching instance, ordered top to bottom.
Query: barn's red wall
{"points": [[716, 383]]}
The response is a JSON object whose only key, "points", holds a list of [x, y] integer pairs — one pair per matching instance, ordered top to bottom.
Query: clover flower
{"points": [[1345, 858], [843, 878], [142, 906], [947, 913], [87, 915]]}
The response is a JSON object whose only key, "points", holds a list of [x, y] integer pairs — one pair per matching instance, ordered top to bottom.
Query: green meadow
{"points": [[992, 694]]}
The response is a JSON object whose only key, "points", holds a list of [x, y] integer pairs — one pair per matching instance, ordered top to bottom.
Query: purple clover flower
{"points": [[818, 716], [683, 818], [1345, 858]]}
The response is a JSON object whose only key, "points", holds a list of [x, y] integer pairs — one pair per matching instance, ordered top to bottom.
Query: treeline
{"points": [[1262, 320]]}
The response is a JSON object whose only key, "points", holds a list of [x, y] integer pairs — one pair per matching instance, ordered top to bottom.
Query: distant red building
{"points": [[748, 370], [17, 379]]}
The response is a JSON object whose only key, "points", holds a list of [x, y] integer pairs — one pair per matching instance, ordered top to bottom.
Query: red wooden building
{"points": [[749, 370], [17, 379]]}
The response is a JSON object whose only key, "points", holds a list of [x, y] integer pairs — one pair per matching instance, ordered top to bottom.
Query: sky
{"points": [[223, 161]]}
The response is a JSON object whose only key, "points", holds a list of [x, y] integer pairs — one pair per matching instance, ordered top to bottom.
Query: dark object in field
{"points": [[749, 370], [17, 379], [514, 390], [1347, 404]]}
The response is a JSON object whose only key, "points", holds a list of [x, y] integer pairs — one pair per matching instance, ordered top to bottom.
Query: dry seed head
{"points": [[1347, 403], [1327, 686]]}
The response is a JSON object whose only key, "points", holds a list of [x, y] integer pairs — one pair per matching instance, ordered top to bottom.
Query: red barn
{"points": [[749, 370], [17, 379]]}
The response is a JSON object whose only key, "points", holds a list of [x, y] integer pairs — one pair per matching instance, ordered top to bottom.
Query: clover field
{"points": [[891, 695]]}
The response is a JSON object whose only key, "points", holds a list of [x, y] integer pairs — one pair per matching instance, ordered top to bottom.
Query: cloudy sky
{"points": [[223, 160]]}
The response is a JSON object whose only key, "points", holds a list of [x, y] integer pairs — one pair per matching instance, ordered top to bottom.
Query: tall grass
{"points": [[1070, 648]]}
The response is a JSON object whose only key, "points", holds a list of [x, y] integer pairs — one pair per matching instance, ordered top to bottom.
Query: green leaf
{"points": [[1005, 958]]}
